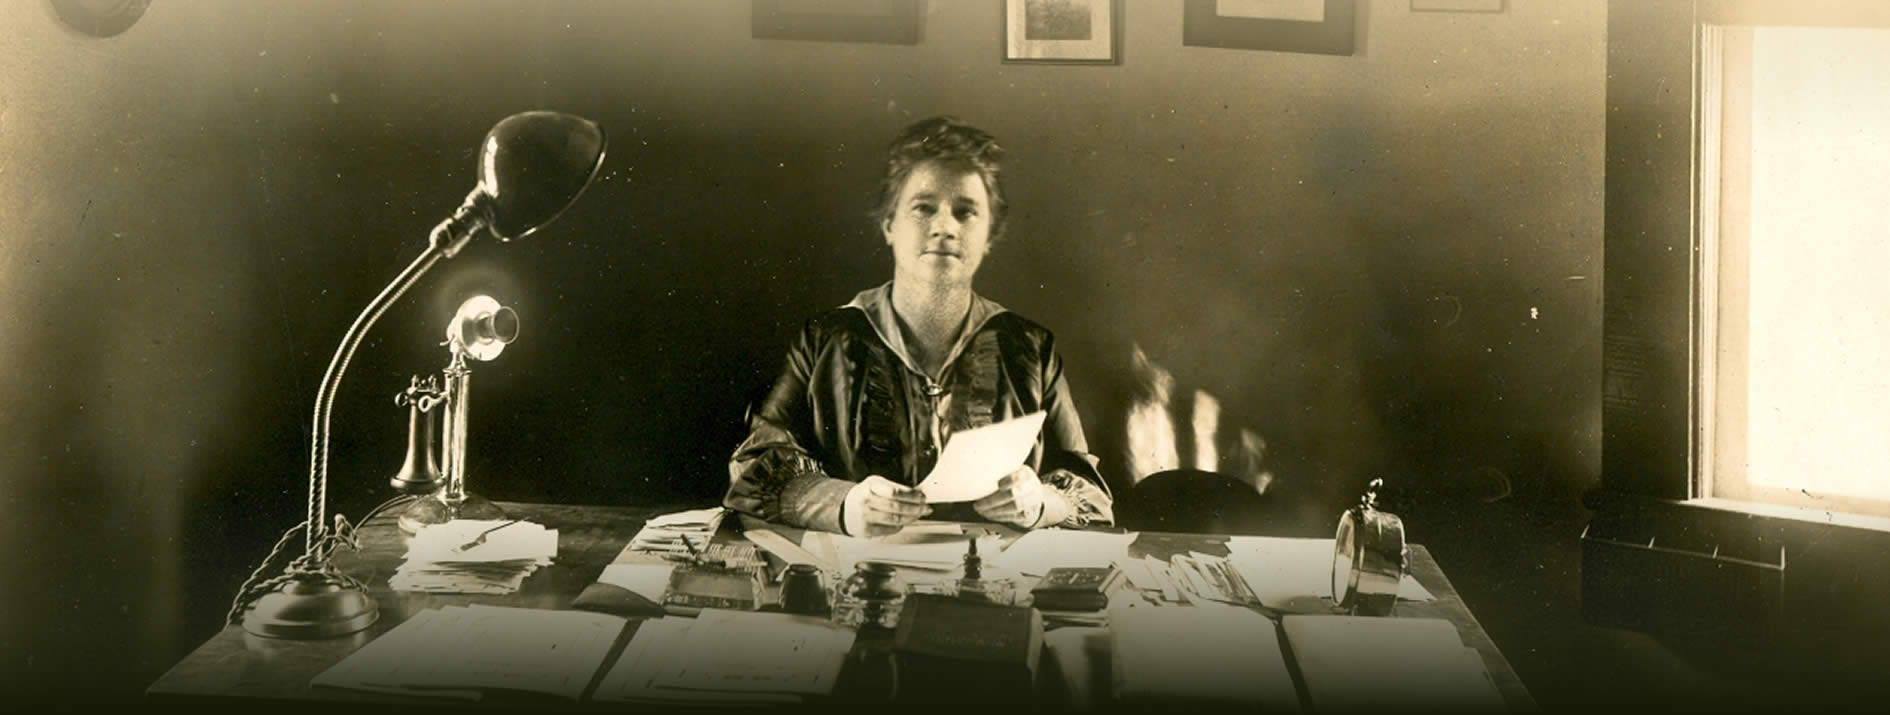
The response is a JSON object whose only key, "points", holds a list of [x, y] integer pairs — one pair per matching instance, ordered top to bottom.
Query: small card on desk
{"points": [[1075, 588]]}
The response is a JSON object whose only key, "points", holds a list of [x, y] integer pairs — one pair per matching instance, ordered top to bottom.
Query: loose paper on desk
{"points": [[975, 459], [693, 520], [927, 545], [937, 546], [787, 549], [1039, 551], [1295, 575], [647, 580], [460, 651], [760, 652], [1206, 652], [729, 656], [397, 657], [647, 658], [1365, 664]]}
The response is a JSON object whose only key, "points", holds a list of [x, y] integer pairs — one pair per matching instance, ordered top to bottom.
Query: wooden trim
{"points": [[1801, 13], [1648, 250]]}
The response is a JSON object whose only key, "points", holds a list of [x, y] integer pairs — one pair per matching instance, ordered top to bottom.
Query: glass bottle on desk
{"points": [[803, 592], [870, 598]]}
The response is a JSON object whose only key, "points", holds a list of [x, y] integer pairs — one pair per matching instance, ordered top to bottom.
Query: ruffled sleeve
{"points": [[773, 475], [1081, 497]]}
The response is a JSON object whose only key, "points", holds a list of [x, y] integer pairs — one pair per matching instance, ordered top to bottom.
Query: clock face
{"points": [[99, 18], [1344, 545]]}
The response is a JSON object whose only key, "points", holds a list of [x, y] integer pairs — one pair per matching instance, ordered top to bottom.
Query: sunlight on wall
{"points": [[1155, 445]]}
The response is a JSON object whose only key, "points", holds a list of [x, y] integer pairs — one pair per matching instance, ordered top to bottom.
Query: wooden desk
{"points": [[236, 665]]}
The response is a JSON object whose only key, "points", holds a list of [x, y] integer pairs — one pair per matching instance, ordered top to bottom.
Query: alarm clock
{"points": [[1368, 557]]}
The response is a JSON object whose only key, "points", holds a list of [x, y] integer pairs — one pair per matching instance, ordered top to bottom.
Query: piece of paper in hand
{"points": [[975, 459]]}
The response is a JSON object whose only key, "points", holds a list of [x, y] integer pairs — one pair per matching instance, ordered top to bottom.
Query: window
{"points": [[1746, 258], [1794, 267], [1746, 329]]}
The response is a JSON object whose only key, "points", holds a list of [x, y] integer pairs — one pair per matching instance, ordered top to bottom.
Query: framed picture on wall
{"points": [[883, 21], [1314, 26], [1062, 31]]}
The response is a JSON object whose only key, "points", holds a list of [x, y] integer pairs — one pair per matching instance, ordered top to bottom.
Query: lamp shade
{"points": [[532, 165]]}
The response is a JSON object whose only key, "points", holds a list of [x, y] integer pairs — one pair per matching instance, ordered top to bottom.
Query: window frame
{"points": [[1725, 179], [1659, 242], [1829, 611]]}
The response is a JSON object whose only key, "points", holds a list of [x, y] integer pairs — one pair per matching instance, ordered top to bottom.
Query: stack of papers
{"points": [[679, 533], [688, 536], [475, 556], [1201, 576], [1151, 577], [466, 651], [728, 657], [1364, 664]]}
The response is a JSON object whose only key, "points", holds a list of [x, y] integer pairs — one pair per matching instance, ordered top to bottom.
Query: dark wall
{"points": [[1384, 264]]}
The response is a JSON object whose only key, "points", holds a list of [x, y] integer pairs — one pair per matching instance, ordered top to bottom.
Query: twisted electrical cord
{"points": [[313, 562]]}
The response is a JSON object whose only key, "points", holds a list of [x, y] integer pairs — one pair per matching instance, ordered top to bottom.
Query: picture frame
{"points": [[1491, 6], [877, 21], [1308, 26], [1062, 31]]}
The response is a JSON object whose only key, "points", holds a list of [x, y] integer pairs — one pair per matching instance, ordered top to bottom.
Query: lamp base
{"points": [[435, 510], [311, 606]]}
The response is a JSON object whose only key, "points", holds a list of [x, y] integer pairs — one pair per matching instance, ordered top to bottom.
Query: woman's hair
{"points": [[949, 141]]}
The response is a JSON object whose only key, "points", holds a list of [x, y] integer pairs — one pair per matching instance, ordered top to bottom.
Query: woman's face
{"points": [[940, 226]]}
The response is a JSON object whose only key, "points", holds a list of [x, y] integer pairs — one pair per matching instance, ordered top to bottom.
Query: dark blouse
{"points": [[849, 405]]}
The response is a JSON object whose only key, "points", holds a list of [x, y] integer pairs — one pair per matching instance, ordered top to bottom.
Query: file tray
{"points": [[1648, 582]]}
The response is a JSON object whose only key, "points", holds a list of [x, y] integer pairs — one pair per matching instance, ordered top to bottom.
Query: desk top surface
{"points": [[236, 664]]}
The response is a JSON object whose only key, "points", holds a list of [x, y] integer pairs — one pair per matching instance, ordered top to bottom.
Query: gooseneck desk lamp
{"points": [[532, 165]]}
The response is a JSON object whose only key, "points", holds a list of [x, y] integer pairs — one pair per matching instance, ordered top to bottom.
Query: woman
{"points": [[873, 389]]}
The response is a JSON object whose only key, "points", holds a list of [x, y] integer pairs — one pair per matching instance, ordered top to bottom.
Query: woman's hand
{"points": [[1018, 500], [879, 506]]}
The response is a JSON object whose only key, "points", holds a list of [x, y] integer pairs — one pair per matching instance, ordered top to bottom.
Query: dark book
{"points": [[693, 588], [1074, 589], [956, 650]]}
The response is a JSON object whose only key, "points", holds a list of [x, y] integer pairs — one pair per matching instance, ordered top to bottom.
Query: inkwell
{"points": [[973, 586]]}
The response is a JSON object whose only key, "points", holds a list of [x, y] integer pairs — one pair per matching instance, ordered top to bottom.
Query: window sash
{"points": [[1725, 70]]}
